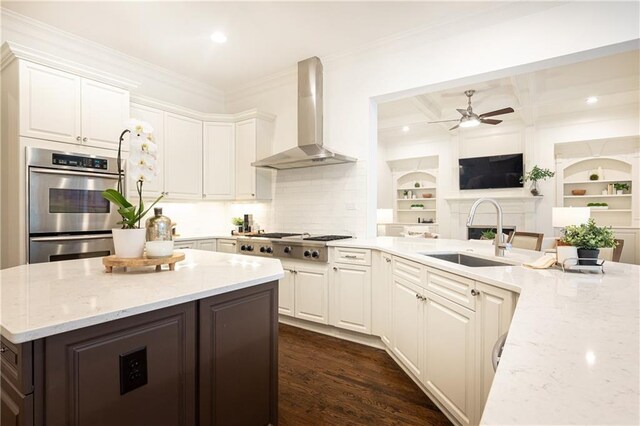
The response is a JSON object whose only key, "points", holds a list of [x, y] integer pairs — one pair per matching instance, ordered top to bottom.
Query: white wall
{"points": [[429, 62], [154, 81]]}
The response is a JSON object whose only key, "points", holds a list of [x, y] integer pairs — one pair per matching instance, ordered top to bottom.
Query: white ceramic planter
{"points": [[619, 192], [129, 243], [567, 252]]}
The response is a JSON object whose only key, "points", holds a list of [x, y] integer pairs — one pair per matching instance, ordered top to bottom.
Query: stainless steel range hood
{"points": [[309, 152]]}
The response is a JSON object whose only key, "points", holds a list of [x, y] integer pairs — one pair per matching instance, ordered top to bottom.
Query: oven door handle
{"points": [[74, 173], [72, 238]]}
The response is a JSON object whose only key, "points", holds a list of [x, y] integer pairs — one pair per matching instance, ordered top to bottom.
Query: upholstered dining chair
{"points": [[526, 240], [613, 254]]}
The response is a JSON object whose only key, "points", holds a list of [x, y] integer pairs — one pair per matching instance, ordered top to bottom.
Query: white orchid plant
{"points": [[142, 161]]}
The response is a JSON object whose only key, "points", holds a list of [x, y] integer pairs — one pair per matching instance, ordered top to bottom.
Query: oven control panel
{"points": [[79, 161]]}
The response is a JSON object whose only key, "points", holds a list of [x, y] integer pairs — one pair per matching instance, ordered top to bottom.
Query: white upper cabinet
{"points": [[49, 104], [62, 107], [105, 111], [155, 118], [253, 142], [183, 157], [219, 161]]}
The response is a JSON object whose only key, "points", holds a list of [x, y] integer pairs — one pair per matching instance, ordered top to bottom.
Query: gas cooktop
{"points": [[327, 238], [288, 245]]}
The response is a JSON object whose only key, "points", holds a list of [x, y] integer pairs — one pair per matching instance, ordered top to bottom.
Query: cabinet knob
{"points": [[78, 138], [84, 139], [253, 195], [233, 244], [387, 259], [335, 269], [474, 292], [417, 296], [3, 350]]}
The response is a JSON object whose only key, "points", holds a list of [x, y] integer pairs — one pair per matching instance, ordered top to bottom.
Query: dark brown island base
{"points": [[211, 361]]}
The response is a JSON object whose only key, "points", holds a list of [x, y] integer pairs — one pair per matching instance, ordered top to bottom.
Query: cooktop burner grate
{"points": [[277, 235], [327, 238]]}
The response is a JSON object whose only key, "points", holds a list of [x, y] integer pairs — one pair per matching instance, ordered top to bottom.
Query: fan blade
{"points": [[464, 112], [497, 112], [442, 121], [490, 121], [455, 127]]}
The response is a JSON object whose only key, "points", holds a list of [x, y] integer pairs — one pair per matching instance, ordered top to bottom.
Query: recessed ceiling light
{"points": [[218, 37], [592, 100], [405, 129]]}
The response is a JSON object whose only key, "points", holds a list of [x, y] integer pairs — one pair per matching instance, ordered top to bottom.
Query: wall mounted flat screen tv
{"points": [[498, 171]]}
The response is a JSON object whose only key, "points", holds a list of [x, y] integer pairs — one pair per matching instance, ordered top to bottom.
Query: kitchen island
{"points": [[196, 345], [571, 356]]}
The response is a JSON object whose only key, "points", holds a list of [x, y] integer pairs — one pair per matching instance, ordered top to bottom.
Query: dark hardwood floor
{"points": [[328, 381]]}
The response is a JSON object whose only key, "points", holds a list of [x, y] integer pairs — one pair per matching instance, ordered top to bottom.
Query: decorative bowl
{"points": [[578, 191], [427, 195], [157, 249]]}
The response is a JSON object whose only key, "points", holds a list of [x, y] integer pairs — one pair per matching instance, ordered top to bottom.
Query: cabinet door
{"points": [[49, 104], [105, 112], [155, 118], [183, 152], [245, 155], [219, 161], [184, 245], [209, 245], [227, 246], [286, 293], [312, 293], [351, 297], [495, 309], [407, 324], [450, 355], [239, 358], [133, 371]]}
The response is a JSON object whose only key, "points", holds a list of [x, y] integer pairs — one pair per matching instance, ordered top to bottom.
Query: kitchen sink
{"points": [[466, 260]]}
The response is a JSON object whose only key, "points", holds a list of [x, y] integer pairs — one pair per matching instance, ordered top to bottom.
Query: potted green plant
{"points": [[534, 175], [594, 176], [416, 185], [621, 187], [405, 193], [417, 206], [239, 222], [488, 234], [589, 239], [129, 240]]}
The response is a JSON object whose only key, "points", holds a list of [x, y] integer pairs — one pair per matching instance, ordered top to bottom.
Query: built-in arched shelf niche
{"points": [[576, 175], [416, 197]]}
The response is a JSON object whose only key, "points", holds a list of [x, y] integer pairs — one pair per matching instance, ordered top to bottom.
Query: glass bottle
{"points": [[158, 226]]}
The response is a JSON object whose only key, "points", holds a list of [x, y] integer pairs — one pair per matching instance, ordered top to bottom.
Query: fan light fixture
{"points": [[218, 37], [592, 100], [467, 122], [405, 129]]}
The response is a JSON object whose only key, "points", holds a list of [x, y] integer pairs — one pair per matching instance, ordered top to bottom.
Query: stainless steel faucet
{"points": [[500, 246]]}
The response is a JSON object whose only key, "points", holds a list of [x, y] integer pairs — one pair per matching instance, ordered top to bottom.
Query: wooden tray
{"points": [[114, 261]]}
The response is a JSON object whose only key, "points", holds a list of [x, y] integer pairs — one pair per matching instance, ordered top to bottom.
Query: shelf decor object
{"points": [[534, 175], [578, 191], [129, 240], [114, 261]]}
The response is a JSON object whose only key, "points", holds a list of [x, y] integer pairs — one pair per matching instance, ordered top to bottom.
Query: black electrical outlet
{"points": [[133, 370]]}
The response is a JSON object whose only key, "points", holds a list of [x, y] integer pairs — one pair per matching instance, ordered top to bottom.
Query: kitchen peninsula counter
{"points": [[81, 346], [571, 356]]}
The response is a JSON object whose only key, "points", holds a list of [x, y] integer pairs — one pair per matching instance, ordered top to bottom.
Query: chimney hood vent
{"points": [[310, 151]]}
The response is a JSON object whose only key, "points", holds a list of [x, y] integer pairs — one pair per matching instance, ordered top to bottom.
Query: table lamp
{"points": [[562, 217]]}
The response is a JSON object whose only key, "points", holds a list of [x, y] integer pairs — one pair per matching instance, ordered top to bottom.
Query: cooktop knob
{"points": [[243, 247], [249, 248], [263, 249], [287, 249], [269, 250], [307, 253], [315, 254]]}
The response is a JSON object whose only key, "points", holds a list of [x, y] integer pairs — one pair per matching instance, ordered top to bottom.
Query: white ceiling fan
{"points": [[471, 119]]}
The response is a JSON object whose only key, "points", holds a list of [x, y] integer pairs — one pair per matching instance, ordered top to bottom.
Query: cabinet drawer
{"points": [[352, 256], [410, 271], [452, 287], [17, 365], [15, 409]]}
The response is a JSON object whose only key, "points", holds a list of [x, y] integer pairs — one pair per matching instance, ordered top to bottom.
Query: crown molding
{"points": [[41, 32], [11, 51], [199, 115]]}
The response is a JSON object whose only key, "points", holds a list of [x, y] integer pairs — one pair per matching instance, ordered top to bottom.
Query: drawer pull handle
{"points": [[350, 256], [387, 259], [335, 269], [474, 292], [3, 350]]}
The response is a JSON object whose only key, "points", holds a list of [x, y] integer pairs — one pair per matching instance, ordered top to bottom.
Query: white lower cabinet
{"points": [[178, 245], [208, 245], [226, 245], [381, 283], [350, 287], [286, 293], [312, 293], [494, 312], [407, 324], [450, 355]]}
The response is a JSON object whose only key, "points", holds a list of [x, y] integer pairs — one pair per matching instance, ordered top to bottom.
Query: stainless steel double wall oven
{"points": [[67, 216]]}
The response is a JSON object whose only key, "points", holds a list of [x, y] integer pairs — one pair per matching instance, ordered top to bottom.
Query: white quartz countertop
{"points": [[187, 237], [44, 299], [572, 354]]}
